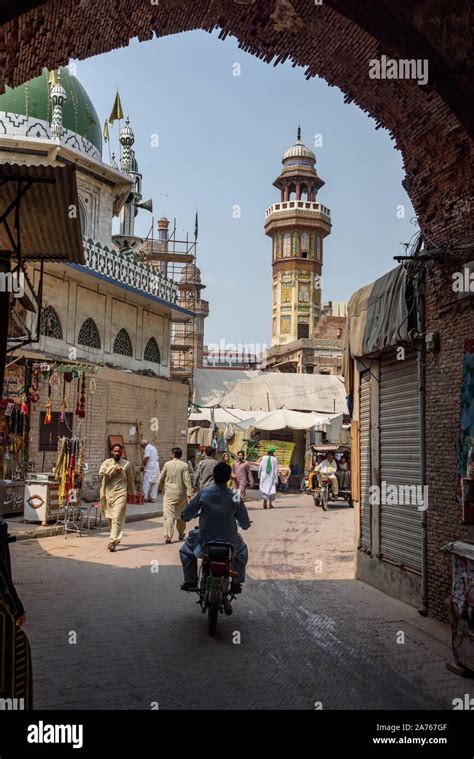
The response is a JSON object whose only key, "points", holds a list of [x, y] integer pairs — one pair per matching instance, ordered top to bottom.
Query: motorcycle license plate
{"points": [[216, 583]]}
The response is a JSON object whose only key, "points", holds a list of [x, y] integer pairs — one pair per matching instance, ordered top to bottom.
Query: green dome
{"points": [[32, 100]]}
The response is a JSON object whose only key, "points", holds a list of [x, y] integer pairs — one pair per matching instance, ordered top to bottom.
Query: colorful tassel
{"points": [[24, 405], [47, 416]]}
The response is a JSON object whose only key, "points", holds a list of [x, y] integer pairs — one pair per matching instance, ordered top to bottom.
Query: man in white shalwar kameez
{"points": [[151, 471], [268, 476], [175, 478], [117, 481]]}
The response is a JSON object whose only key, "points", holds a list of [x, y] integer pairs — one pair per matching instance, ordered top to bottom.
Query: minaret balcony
{"points": [[298, 209]]}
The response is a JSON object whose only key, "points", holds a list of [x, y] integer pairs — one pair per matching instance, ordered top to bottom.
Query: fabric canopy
{"points": [[377, 318], [268, 391], [221, 415], [282, 419]]}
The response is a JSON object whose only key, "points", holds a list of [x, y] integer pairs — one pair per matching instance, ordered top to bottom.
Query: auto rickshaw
{"points": [[323, 495]]}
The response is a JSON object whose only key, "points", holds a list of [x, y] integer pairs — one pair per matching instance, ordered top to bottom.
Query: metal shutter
{"points": [[365, 462], [400, 524]]}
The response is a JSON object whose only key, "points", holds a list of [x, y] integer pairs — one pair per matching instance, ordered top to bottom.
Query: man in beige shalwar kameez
{"points": [[176, 479], [117, 481]]}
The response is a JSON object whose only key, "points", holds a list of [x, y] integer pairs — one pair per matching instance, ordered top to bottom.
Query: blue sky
{"points": [[220, 141]]}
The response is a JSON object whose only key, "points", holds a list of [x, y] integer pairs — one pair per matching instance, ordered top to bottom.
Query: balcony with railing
{"points": [[299, 205], [126, 270]]}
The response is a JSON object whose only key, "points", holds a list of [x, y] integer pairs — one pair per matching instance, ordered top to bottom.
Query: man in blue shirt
{"points": [[221, 509]]}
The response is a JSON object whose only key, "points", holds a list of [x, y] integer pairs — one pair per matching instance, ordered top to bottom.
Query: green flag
{"points": [[196, 226]]}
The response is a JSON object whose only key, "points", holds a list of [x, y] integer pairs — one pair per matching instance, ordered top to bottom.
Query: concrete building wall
{"points": [[96, 199], [111, 309]]}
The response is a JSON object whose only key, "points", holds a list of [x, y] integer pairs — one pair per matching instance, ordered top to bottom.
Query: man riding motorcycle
{"points": [[326, 470], [221, 510]]}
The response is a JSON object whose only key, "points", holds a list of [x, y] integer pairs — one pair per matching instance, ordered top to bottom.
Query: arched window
{"points": [[83, 217], [304, 244], [287, 245], [319, 248], [50, 323], [89, 335], [123, 344], [152, 352]]}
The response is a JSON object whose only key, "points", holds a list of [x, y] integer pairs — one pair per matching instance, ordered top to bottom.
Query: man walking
{"points": [[205, 469], [150, 471], [242, 474], [268, 475], [176, 480], [117, 481], [220, 514]]}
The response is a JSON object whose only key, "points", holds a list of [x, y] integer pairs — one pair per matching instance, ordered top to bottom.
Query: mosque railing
{"points": [[305, 205], [128, 271]]}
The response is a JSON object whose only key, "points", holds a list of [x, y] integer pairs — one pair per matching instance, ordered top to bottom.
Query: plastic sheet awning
{"points": [[377, 319]]}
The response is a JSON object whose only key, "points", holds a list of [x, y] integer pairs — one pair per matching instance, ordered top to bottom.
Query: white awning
{"points": [[221, 415], [295, 420]]}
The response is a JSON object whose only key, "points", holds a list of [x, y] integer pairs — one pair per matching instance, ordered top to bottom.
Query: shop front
{"points": [[14, 425]]}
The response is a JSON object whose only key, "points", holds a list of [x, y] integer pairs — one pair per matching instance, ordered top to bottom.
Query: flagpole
{"points": [[108, 140]]}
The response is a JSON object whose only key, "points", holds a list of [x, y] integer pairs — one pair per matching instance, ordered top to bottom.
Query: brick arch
{"points": [[335, 40]]}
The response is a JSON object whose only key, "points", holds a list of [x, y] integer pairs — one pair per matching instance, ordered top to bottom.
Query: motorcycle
{"points": [[321, 495], [214, 584]]}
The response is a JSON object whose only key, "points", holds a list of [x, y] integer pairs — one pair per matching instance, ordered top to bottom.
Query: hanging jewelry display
{"points": [[55, 379], [34, 387], [64, 402], [24, 404], [81, 406], [78, 409], [47, 416]]}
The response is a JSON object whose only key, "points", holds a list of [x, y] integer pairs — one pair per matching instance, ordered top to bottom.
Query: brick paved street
{"points": [[308, 631]]}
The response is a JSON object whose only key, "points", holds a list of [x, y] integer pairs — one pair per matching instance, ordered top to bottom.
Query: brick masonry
{"points": [[335, 40], [455, 323], [119, 402]]}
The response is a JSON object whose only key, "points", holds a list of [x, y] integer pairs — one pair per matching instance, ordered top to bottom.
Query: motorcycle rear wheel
{"points": [[212, 614]]}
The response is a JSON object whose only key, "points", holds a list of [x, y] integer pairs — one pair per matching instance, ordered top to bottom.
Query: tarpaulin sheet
{"points": [[377, 318]]}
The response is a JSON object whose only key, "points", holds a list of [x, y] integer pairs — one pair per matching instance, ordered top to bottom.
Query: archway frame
{"points": [[431, 124]]}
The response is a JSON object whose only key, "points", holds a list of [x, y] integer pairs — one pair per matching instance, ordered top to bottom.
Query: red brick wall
{"points": [[335, 40], [329, 327], [443, 377]]}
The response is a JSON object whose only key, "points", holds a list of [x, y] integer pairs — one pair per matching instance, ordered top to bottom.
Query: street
{"points": [[113, 631]]}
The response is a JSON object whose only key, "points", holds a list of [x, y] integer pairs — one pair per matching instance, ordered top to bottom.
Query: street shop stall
{"points": [[57, 401], [14, 426], [216, 427], [291, 433]]}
